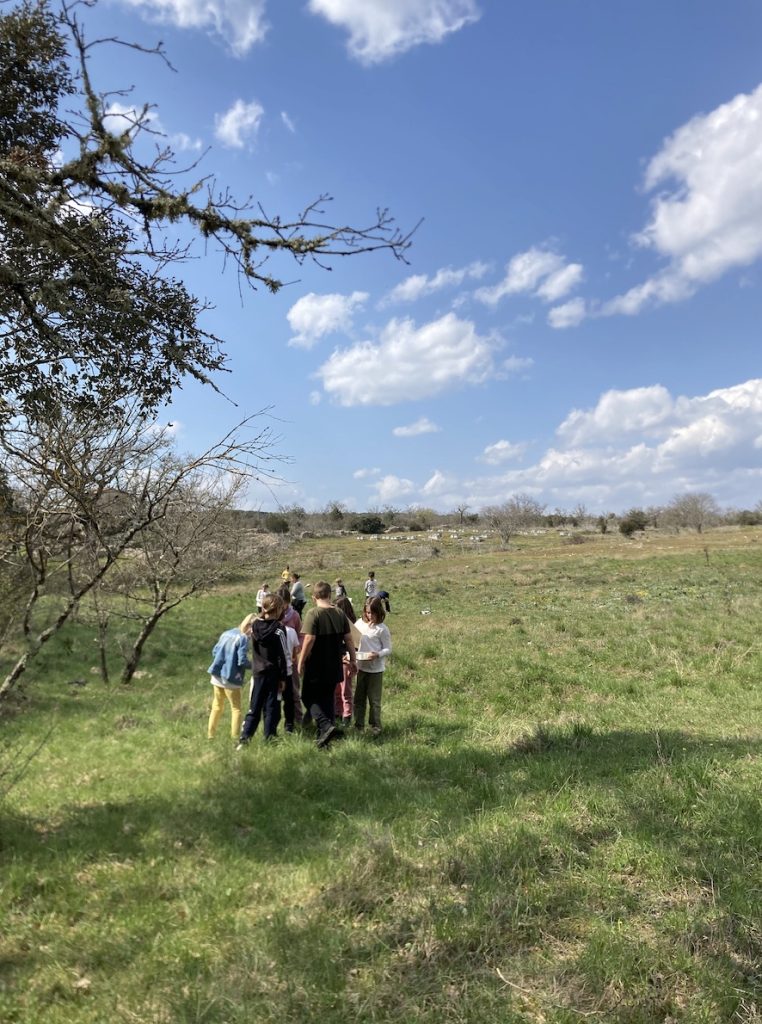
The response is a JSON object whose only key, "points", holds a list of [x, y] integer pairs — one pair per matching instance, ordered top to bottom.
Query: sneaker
{"points": [[346, 721], [288, 728], [375, 730], [325, 737], [242, 744]]}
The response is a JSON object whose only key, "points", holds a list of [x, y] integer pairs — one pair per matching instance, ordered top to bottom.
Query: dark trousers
{"points": [[264, 700], [319, 704], [289, 705]]}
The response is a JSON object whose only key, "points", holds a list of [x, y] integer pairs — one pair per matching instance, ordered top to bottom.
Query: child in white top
{"points": [[371, 587], [262, 593], [375, 647]]}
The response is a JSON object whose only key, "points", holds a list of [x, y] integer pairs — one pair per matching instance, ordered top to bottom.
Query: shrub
{"points": [[633, 521], [277, 524], [369, 524]]}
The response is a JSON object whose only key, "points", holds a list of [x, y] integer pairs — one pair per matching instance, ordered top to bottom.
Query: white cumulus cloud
{"points": [[240, 23], [381, 29], [239, 125], [707, 217], [538, 271], [569, 314], [314, 316], [409, 362], [618, 413], [421, 426], [635, 447], [501, 451], [390, 488]]}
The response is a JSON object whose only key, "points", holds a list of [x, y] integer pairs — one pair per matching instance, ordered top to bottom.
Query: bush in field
{"points": [[748, 517], [633, 521], [277, 524], [369, 524]]}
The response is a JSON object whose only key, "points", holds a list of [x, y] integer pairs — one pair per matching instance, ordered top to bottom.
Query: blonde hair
{"points": [[245, 626]]}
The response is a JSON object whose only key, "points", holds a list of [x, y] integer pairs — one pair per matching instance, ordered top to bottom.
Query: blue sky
{"points": [[580, 319]]}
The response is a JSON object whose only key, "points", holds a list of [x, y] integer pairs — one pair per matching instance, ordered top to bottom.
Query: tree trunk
{"points": [[133, 658]]}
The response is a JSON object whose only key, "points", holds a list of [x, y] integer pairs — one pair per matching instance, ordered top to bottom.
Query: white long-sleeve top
{"points": [[374, 637]]}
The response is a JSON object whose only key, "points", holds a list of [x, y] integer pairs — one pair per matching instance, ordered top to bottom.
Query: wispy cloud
{"points": [[240, 23], [381, 29], [119, 118], [287, 121], [239, 125], [708, 222], [538, 271], [418, 285], [569, 314], [421, 426], [502, 451]]}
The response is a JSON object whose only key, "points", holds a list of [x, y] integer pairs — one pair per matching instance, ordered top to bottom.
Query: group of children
{"points": [[269, 643]]}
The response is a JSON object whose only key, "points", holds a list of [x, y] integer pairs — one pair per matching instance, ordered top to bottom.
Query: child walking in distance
{"points": [[371, 587], [262, 593], [375, 647], [230, 659], [269, 669]]}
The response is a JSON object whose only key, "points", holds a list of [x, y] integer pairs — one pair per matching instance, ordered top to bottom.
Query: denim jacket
{"points": [[230, 657]]}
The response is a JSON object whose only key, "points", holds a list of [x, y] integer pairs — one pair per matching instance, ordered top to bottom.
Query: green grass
{"points": [[561, 822]]}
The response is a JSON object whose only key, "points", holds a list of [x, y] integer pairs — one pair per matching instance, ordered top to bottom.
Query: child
{"points": [[371, 587], [339, 590], [262, 593], [298, 598], [375, 647], [230, 659], [269, 670], [291, 695], [342, 702]]}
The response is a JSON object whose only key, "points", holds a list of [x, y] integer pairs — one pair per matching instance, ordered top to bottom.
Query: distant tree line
{"points": [[518, 513]]}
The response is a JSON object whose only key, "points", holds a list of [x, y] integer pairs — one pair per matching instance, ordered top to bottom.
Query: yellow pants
{"points": [[233, 697]]}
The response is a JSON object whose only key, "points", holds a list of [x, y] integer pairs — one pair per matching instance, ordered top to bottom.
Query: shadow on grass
{"points": [[292, 801], [523, 839]]}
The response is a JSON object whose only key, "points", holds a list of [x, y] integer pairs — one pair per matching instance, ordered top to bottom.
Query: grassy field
{"points": [[561, 821]]}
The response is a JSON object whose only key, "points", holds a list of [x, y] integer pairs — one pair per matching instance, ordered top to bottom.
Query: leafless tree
{"points": [[89, 495], [694, 510], [461, 511], [520, 512]]}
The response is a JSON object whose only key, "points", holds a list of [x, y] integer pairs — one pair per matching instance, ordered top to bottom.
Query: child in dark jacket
{"points": [[269, 671]]}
